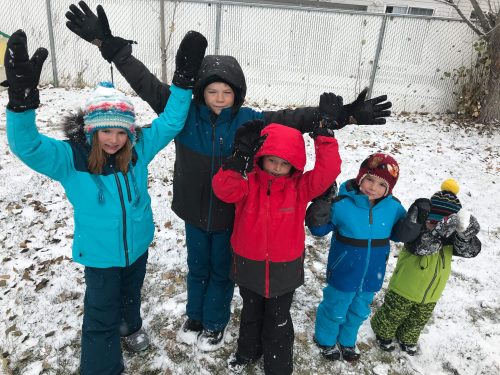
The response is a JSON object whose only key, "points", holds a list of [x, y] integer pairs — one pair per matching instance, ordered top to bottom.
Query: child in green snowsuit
{"points": [[423, 268]]}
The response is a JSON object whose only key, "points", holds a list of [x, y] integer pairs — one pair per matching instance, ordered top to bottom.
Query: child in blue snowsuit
{"points": [[103, 168], [363, 218]]}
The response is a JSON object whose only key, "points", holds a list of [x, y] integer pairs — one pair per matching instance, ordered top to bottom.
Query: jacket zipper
{"points": [[221, 146], [129, 194], [210, 204], [124, 216], [267, 239], [368, 250], [433, 277]]}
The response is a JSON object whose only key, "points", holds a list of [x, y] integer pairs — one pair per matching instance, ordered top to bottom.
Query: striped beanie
{"points": [[108, 108], [380, 165], [445, 202]]}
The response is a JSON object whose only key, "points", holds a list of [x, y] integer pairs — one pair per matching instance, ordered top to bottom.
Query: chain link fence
{"points": [[290, 55]]}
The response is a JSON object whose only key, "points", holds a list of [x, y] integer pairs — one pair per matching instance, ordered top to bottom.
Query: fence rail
{"points": [[290, 55]]}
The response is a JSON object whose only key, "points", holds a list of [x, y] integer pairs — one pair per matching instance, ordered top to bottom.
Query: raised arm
{"points": [[95, 29], [361, 112], [171, 121], [43, 154]]}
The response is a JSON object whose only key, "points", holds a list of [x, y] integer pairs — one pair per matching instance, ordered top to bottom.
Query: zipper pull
{"points": [[269, 187]]}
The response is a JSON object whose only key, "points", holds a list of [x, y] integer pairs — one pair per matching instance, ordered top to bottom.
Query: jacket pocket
{"points": [[142, 232], [97, 241], [334, 263]]}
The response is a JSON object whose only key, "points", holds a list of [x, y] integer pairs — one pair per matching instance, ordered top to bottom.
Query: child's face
{"points": [[218, 96], [112, 140], [275, 165], [373, 187]]}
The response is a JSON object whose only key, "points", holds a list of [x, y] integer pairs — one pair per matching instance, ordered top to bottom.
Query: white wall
{"points": [[440, 9]]}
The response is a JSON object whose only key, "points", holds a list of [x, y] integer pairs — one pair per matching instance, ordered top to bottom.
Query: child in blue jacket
{"points": [[103, 167], [363, 218]]}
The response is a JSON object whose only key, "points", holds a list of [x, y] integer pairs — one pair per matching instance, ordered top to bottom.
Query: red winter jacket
{"points": [[268, 236]]}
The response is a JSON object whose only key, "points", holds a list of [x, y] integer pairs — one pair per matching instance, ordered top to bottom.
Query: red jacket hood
{"points": [[286, 143]]}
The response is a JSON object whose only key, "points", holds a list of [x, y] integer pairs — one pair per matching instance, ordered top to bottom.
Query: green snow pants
{"points": [[401, 318]]}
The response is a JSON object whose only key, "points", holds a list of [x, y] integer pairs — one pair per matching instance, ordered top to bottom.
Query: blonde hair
{"points": [[97, 156]]}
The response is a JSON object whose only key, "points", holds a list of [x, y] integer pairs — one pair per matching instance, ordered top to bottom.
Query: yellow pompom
{"points": [[450, 185]]}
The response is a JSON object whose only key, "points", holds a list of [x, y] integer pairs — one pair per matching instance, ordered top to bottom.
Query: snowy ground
{"points": [[41, 289]]}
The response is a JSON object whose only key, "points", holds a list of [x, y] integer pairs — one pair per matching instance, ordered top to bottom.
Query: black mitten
{"points": [[94, 29], [188, 59], [23, 73], [330, 111], [367, 112], [247, 142], [419, 210], [319, 211]]}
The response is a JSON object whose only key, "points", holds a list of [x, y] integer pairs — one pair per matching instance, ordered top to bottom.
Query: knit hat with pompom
{"points": [[109, 108], [445, 202]]}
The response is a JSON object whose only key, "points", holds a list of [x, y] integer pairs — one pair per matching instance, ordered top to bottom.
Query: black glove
{"points": [[95, 29], [188, 59], [23, 73], [330, 111], [367, 112], [247, 142], [419, 210], [319, 211], [446, 227], [471, 231]]}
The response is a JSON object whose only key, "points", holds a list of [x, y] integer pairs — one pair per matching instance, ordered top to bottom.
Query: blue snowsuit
{"points": [[356, 263]]}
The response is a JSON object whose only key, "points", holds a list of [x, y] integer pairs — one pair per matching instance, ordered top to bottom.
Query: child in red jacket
{"points": [[265, 180]]}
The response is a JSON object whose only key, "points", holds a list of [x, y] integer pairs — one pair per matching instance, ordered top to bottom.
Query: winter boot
{"points": [[188, 333], [209, 340], [137, 341], [386, 345], [411, 349], [332, 353], [349, 353], [236, 363]]}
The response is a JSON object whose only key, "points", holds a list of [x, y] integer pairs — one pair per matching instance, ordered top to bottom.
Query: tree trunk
{"points": [[490, 111]]}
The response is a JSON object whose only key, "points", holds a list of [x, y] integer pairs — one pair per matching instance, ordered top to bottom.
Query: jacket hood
{"points": [[221, 68], [73, 124], [286, 143]]}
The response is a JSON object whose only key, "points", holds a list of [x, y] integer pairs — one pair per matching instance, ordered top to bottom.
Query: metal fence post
{"points": [[218, 21], [162, 42], [52, 45], [377, 55]]}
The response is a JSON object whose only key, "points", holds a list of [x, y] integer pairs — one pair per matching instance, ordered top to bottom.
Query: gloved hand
{"points": [[95, 29], [188, 59], [23, 73], [330, 110], [367, 112], [247, 142], [419, 210], [319, 211], [446, 227], [471, 231]]}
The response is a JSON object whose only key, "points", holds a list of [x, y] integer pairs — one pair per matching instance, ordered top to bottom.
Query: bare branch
{"points": [[462, 15], [480, 16]]}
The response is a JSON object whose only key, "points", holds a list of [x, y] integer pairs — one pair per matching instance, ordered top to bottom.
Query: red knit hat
{"points": [[380, 165]]}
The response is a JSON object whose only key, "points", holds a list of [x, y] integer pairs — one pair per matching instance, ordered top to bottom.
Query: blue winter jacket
{"points": [[112, 212], [360, 241]]}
